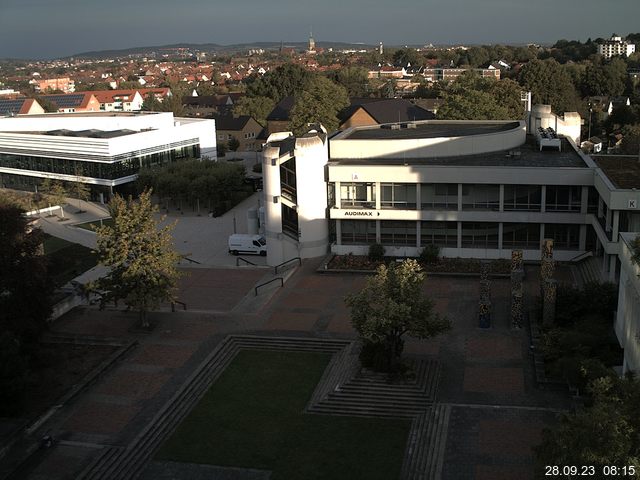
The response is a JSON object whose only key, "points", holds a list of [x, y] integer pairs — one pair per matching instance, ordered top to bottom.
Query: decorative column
{"points": [[517, 276], [548, 286]]}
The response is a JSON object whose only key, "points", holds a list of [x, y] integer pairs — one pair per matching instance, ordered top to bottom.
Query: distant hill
{"points": [[212, 47]]}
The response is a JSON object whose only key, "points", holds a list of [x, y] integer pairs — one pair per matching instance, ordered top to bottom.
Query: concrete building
{"points": [[615, 46], [64, 84], [104, 150], [627, 322]]}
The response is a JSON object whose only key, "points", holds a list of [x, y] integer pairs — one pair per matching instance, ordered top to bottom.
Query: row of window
{"points": [[107, 171], [444, 196], [445, 234]]}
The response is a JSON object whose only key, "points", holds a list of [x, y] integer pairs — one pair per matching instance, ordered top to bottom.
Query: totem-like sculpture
{"points": [[517, 276], [548, 286], [484, 306]]}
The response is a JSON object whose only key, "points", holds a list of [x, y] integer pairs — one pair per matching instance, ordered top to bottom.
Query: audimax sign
{"points": [[360, 213]]}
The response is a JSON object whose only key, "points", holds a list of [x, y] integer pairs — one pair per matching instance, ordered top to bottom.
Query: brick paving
{"points": [[486, 368]]}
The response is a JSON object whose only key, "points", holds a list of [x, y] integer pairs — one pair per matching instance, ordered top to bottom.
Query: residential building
{"points": [[615, 46], [64, 84], [118, 100], [74, 102], [19, 106], [376, 111], [244, 128], [103, 150]]}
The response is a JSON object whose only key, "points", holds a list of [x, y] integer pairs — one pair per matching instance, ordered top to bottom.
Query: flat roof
{"points": [[87, 114], [428, 129], [526, 155], [622, 170]]}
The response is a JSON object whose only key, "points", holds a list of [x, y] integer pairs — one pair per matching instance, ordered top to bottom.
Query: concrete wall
{"points": [[627, 321]]}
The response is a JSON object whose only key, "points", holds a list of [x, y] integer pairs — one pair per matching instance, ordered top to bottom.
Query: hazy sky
{"points": [[55, 28]]}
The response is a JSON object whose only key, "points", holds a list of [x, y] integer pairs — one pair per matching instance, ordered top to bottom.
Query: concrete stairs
{"points": [[590, 270], [372, 394], [424, 455], [127, 463]]}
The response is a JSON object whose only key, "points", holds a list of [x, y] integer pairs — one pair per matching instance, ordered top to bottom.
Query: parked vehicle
{"points": [[244, 243]]}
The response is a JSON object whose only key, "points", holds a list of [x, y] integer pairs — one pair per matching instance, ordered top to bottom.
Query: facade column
{"points": [[376, 186], [337, 194], [418, 197], [459, 197], [543, 198], [584, 200], [501, 206], [600, 206], [608, 221], [616, 225], [338, 232], [500, 232], [418, 233], [378, 234], [459, 235], [541, 235], [582, 239], [612, 267]]}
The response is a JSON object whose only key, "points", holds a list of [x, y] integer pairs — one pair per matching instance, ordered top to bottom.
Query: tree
{"points": [[406, 56], [288, 79], [354, 79], [605, 79], [550, 84], [471, 97], [320, 102], [256, 107], [631, 140], [233, 144], [79, 189], [56, 192], [140, 255], [393, 304]]}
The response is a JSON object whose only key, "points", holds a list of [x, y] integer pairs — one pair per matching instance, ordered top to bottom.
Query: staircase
{"points": [[590, 270]]}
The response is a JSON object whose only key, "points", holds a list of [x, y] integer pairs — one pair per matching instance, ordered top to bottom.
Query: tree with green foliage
{"points": [[408, 56], [354, 79], [605, 79], [285, 80], [550, 84], [471, 97], [319, 102], [257, 107], [631, 140], [233, 144], [79, 189], [56, 192], [141, 257], [25, 292], [393, 304], [603, 434]]}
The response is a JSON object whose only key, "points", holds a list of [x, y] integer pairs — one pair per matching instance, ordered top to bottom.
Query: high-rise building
{"points": [[615, 46]]}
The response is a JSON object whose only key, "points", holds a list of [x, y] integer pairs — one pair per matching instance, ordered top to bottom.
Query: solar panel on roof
{"points": [[66, 100], [12, 106]]}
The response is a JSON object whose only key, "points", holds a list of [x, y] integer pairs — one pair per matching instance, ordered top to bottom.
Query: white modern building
{"points": [[615, 46], [104, 150], [627, 324]]}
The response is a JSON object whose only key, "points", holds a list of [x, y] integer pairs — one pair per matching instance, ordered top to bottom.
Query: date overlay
{"points": [[607, 471]]}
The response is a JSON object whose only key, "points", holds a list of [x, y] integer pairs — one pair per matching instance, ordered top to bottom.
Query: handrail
{"points": [[582, 256], [186, 257], [245, 261], [275, 269], [267, 283], [173, 305]]}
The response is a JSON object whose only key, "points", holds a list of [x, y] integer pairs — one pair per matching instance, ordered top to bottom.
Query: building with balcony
{"points": [[615, 46], [103, 150]]}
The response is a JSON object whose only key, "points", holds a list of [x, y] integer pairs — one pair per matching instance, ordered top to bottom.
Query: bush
{"points": [[257, 168], [376, 252], [430, 254]]}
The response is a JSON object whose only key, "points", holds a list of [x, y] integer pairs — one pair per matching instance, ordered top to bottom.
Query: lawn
{"points": [[93, 225], [67, 260], [253, 417]]}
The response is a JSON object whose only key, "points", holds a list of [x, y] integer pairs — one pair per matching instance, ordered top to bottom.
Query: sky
{"points": [[58, 28]]}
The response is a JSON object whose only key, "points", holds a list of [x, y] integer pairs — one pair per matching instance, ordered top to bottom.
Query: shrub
{"points": [[257, 168], [376, 252], [430, 254]]}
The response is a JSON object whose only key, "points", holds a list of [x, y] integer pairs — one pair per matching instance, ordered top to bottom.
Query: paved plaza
{"points": [[487, 379]]}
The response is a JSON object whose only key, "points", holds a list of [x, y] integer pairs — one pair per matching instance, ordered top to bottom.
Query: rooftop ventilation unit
{"points": [[410, 125], [395, 126], [547, 138]]}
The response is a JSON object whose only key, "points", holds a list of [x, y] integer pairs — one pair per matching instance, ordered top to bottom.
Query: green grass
{"points": [[92, 225], [67, 260], [253, 417]]}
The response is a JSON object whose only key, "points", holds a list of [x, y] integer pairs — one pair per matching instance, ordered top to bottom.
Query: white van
{"points": [[244, 243]]}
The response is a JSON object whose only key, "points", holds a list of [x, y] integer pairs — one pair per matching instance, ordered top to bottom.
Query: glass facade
{"points": [[104, 170], [288, 180], [357, 195], [401, 196], [439, 196], [480, 197], [522, 198], [560, 198], [290, 222], [358, 232], [398, 232], [442, 234], [479, 235], [521, 235], [565, 237]]}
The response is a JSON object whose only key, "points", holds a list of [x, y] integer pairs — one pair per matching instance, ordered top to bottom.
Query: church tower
{"points": [[312, 42]]}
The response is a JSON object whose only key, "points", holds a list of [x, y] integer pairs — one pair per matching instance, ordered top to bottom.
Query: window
{"points": [[288, 182], [357, 195], [398, 195], [439, 196], [481, 197], [522, 197], [563, 198], [592, 201], [290, 222], [358, 232], [395, 232], [442, 234], [479, 235], [521, 235], [565, 237]]}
